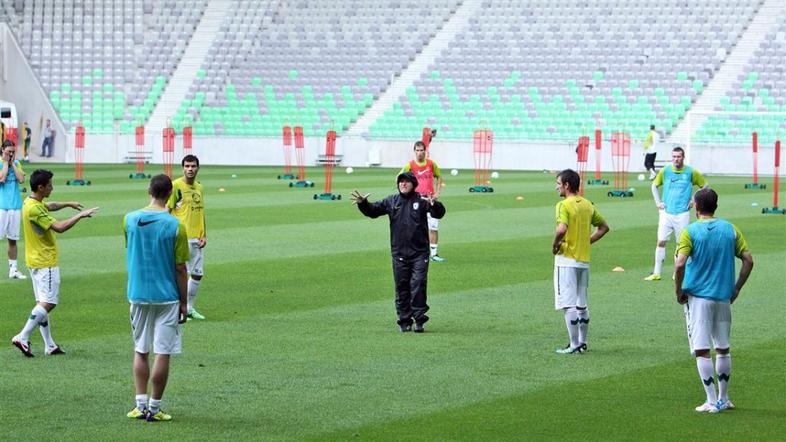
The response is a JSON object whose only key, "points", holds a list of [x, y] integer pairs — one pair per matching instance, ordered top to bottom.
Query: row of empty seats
{"points": [[551, 70]]}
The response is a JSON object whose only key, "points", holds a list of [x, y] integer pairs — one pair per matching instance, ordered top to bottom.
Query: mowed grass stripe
{"points": [[310, 370], [653, 403]]}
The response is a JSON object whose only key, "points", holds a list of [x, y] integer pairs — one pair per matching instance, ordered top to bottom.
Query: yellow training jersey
{"points": [[188, 205], [579, 214], [40, 242]]}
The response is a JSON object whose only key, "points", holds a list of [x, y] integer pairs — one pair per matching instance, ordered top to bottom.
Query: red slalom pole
{"points": [[139, 139], [187, 141], [287, 142], [755, 147], [168, 150], [79, 153], [300, 156], [330, 157], [581, 164], [598, 180], [774, 209]]}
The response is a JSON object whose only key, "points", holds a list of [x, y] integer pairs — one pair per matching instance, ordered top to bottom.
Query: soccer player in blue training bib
{"points": [[11, 176], [677, 180], [156, 252], [704, 284]]}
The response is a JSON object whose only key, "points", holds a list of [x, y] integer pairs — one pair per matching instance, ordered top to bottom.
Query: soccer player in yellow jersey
{"points": [[188, 205], [576, 217], [41, 257]]}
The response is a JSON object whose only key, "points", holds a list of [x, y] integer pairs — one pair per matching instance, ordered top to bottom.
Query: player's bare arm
{"points": [[54, 206], [64, 225], [601, 231], [559, 236], [745, 271], [679, 276]]}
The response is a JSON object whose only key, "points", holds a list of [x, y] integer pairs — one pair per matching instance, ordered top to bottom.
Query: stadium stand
{"points": [[104, 63], [318, 64], [534, 70], [547, 70], [761, 87]]}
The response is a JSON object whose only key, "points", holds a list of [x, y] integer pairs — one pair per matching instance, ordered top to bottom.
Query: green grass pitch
{"points": [[301, 342]]}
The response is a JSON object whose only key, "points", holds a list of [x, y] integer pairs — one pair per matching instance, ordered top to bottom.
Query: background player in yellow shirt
{"points": [[188, 205], [571, 248], [41, 257]]}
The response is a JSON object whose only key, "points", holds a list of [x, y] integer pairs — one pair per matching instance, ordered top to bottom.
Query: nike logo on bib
{"points": [[421, 172], [141, 223]]}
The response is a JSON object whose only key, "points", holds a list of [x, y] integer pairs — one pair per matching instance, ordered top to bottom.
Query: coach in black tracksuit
{"points": [[409, 245]]}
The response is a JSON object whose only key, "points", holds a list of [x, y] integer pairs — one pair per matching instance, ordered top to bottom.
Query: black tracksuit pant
{"points": [[411, 277]]}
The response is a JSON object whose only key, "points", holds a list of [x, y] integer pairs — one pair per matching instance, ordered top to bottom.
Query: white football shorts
{"points": [[9, 223], [433, 223], [668, 224], [194, 265], [46, 284], [570, 287], [709, 323], [155, 325]]}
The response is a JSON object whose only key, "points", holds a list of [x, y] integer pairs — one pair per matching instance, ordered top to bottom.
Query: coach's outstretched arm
{"points": [[371, 210]]}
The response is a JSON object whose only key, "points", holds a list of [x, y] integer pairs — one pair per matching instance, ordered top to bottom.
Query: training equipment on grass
{"points": [[426, 137], [139, 138], [188, 139], [287, 139], [482, 143], [755, 147], [169, 150], [582, 152], [300, 156], [620, 156], [79, 159], [330, 161], [350, 170], [454, 172], [494, 175], [641, 177], [598, 180], [774, 209]]}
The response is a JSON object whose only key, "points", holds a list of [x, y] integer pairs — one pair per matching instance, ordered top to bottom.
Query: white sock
{"points": [[433, 249], [660, 256], [11, 264], [193, 288], [583, 318], [572, 322], [32, 323], [46, 330], [723, 368], [706, 373], [141, 402], [155, 405]]}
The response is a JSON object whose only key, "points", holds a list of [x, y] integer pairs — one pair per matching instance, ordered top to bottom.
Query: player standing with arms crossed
{"points": [[426, 171], [677, 180], [187, 204], [576, 216]]}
